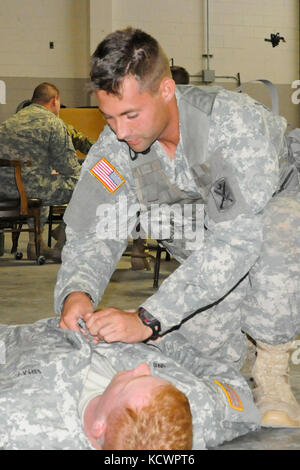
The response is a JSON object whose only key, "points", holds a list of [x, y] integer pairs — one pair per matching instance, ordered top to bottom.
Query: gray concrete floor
{"points": [[26, 295]]}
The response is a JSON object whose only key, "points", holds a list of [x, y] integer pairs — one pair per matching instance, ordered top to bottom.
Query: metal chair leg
{"points": [[50, 221], [157, 266]]}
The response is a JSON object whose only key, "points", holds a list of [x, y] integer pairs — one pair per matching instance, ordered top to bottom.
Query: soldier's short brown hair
{"points": [[128, 52]]}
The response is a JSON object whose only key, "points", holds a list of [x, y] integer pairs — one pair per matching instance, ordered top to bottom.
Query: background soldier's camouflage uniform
{"points": [[37, 134], [234, 139], [80, 141]]}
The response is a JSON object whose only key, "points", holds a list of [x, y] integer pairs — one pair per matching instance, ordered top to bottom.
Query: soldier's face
{"points": [[55, 105], [138, 118], [132, 388]]}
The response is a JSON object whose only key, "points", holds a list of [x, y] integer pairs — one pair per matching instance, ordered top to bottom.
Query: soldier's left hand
{"points": [[112, 324]]}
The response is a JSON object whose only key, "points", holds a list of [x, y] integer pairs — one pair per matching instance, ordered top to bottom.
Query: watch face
{"points": [[143, 317], [152, 322]]}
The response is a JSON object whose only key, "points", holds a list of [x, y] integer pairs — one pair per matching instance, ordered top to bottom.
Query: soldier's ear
{"points": [[167, 89]]}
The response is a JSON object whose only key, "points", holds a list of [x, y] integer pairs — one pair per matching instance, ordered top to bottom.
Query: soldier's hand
{"points": [[76, 306], [112, 324]]}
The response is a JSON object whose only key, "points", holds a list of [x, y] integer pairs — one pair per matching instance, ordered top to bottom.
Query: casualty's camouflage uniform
{"points": [[37, 134], [232, 157], [46, 370], [41, 376]]}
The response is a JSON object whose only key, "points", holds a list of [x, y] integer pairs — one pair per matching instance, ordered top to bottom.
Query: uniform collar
{"points": [[195, 106]]}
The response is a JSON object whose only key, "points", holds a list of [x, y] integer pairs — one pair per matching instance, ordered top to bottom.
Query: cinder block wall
{"points": [[26, 29], [237, 29]]}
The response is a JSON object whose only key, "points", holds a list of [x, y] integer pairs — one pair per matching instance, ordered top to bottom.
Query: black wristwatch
{"points": [[148, 320]]}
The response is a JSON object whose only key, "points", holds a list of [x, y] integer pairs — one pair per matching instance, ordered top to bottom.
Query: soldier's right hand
{"points": [[76, 305]]}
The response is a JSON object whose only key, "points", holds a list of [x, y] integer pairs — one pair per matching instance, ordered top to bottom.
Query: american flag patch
{"points": [[108, 175]]}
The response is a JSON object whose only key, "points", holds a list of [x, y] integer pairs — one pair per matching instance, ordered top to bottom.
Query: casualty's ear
{"points": [[167, 89], [99, 428]]}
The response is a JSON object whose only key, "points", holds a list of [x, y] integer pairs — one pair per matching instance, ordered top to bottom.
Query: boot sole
{"points": [[278, 419]]}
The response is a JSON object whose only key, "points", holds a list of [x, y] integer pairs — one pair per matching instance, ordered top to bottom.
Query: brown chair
{"points": [[88, 120], [16, 212], [56, 213]]}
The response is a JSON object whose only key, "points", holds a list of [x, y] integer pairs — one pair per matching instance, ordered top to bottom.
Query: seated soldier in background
{"points": [[180, 75], [36, 133], [80, 142]]}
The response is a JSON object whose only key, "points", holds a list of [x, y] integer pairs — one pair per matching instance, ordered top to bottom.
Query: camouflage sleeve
{"points": [[80, 141], [62, 153], [245, 161], [97, 232], [225, 256], [87, 266]]}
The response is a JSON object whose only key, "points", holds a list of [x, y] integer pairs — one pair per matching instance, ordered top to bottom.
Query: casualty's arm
{"points": [[80, 141]]}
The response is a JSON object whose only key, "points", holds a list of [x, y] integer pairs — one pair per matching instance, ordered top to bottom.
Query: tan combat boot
{"points": [[273, 395]]}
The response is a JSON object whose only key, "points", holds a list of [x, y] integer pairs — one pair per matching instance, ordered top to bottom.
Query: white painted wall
{"points": [[100, 21], [178, 26], [27, 27], [237, 32]]}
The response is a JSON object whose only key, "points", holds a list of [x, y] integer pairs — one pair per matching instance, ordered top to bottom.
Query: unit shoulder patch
{"points": [[107, 175], [222, 194], [232, 396]]}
